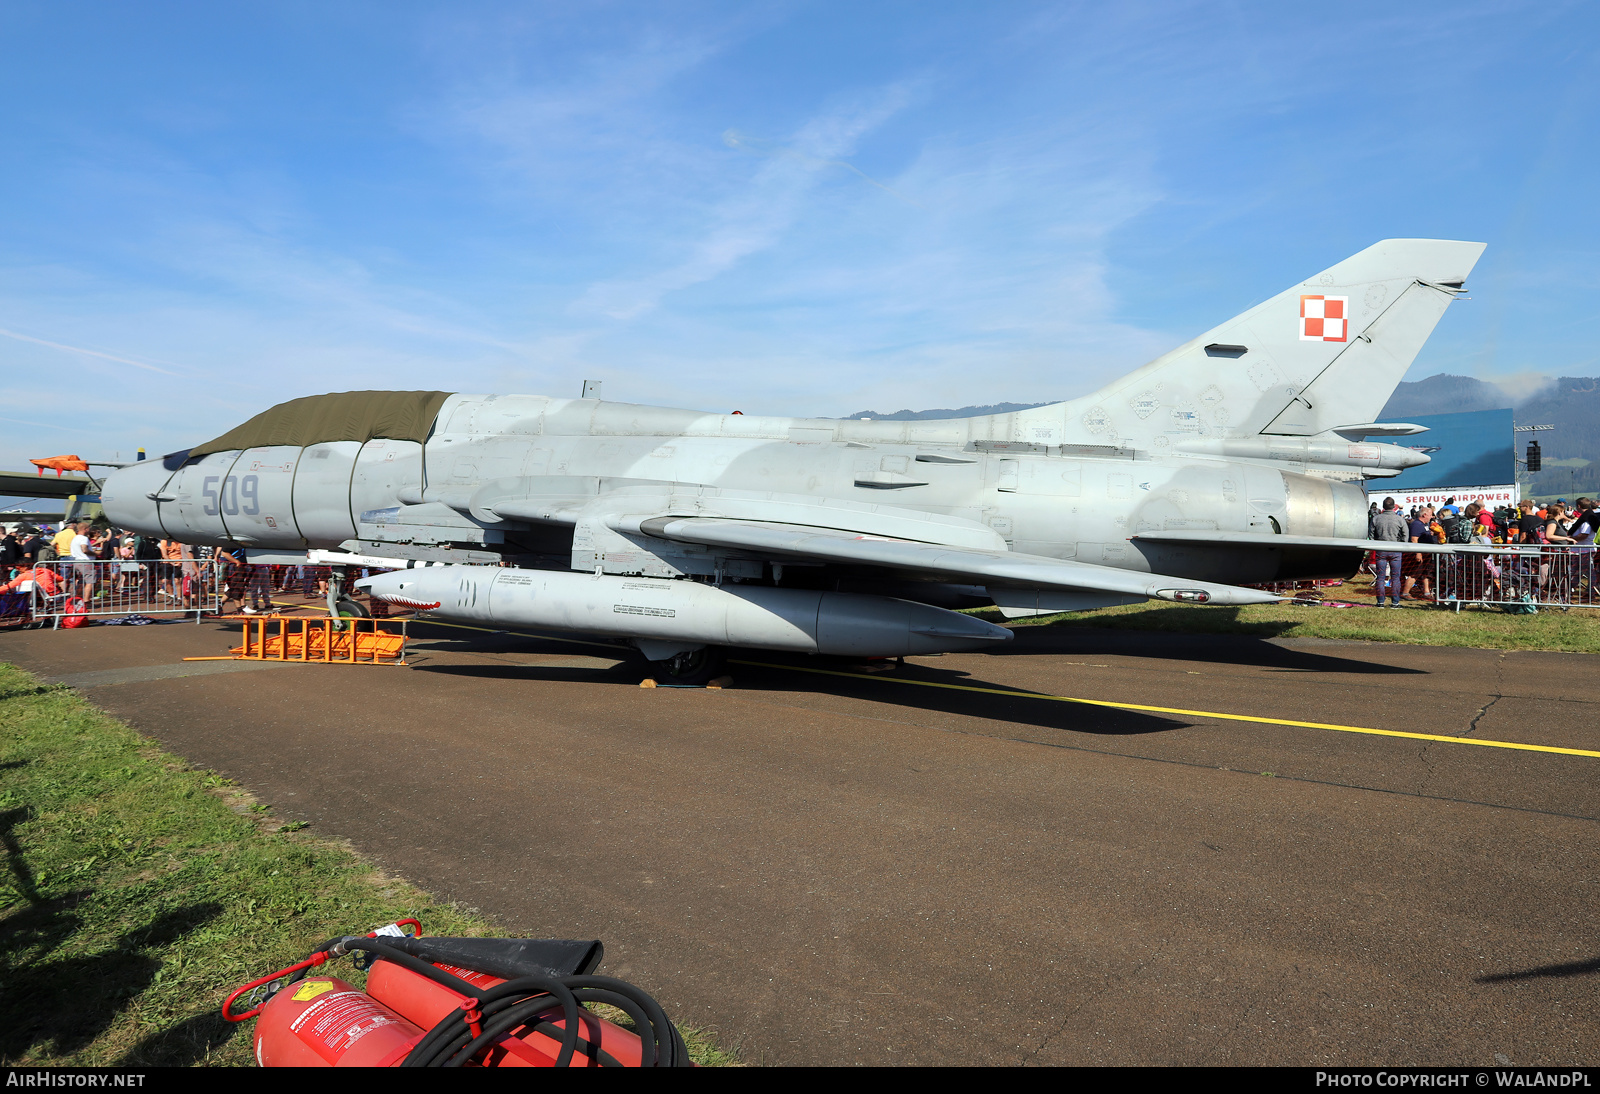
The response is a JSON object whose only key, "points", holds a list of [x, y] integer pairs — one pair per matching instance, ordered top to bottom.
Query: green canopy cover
{"points": [[345, 416]]}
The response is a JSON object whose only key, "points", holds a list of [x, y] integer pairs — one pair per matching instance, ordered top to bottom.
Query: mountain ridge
{"points": [[1444, 393], [928, 415]]}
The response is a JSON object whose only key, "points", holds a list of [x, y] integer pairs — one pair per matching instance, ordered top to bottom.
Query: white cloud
{"points": [[757, 218], [86, 352], [1523, 386]]}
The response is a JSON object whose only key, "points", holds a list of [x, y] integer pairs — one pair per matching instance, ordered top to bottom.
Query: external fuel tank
{"points": [[683, 614]]}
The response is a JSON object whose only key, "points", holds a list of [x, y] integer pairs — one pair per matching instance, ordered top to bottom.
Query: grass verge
{"points": [[1575, 631], [139, 891]]}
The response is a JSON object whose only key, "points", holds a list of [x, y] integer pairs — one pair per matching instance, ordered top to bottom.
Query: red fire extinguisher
{"points": [[427, 1003], [419, 1012], [325, 1022]]}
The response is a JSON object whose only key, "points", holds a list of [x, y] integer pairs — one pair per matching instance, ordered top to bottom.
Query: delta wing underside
{"points": [[938, 561]]}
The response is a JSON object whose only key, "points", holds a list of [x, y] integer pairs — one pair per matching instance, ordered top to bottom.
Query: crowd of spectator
{"points": [[1399, 573], [153, 574]]}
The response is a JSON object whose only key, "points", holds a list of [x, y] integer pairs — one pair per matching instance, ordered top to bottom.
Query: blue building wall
{"points": [[1477, 448]]}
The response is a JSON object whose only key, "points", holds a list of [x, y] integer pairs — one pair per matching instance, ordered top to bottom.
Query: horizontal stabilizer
{"points": [[1379, 429]]}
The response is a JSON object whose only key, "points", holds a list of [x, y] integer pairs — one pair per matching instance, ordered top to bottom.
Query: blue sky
{"points": [[807, 208]]}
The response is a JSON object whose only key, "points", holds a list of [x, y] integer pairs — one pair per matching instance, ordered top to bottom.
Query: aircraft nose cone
{"points": [[1399, 456], [126, 496], [380, 585]]}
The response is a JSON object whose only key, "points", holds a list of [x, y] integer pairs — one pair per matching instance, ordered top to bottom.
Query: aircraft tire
{"points": [[353, 609], [692, 669]]}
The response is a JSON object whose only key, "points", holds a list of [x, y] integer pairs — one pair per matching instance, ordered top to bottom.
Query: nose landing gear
{"points": [[341, 606], [691, 668]]}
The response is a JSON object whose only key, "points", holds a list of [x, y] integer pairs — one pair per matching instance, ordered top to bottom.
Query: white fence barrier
{"points": [[1532, 576], [102, 588]]}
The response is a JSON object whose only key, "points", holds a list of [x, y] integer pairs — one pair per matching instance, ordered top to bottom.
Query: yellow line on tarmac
{"points": [[1188, 713], [1517, 745]]}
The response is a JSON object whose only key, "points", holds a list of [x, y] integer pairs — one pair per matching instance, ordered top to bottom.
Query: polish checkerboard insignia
{"points": [[1324, 318]]}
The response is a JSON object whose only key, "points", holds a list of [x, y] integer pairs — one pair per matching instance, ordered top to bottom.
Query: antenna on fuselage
{"points": [[591, 389]]}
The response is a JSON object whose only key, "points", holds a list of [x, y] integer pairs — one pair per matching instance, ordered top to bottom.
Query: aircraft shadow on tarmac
{"points": [[1216, 649], [624, 673], [1019, 709], [1022, 710], [1570, 968]]}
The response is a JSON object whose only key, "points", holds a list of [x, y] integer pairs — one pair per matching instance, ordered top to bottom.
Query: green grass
{"points": [[1575, 631], [139, 891]]}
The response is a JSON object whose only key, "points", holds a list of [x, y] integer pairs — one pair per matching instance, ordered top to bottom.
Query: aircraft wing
{"points": [[19, 484], [1267, 539], [949, 563]]}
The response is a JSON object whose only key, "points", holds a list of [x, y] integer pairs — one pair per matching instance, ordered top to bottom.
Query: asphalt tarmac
{"points": [[838, 869]]}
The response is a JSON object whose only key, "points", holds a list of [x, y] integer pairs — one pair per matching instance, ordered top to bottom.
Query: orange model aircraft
{"points": [[60, 463]]}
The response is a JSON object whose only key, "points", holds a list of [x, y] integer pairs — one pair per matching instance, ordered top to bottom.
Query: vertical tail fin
{"points": [[1325, 353]]}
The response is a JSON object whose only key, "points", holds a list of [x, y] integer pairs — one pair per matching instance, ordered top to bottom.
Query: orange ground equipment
{"points": [[60, 464], [347, 640], [453, 1002]]}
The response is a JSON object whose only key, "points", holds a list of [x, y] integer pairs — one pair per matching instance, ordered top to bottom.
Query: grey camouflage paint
{"points": [[1232, 431]]}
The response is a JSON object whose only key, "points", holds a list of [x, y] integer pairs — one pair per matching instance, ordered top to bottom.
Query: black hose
{"points": [[339, 946], [300, 974], [512, 996], [521, 1003], [629, 1007], [520, 1015], [666, 1042], [444, 1043], [661, 1045]]}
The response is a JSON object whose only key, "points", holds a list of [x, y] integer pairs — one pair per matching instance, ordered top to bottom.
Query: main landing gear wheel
{"points": [[353, 609], [692, 668]]}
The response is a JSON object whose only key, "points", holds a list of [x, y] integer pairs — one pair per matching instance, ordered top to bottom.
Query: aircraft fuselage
{"points": [[1082, 502]]}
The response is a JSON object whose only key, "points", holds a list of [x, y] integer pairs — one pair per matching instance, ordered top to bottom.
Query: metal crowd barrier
{"points": [[1527, 576], [107, 588]]}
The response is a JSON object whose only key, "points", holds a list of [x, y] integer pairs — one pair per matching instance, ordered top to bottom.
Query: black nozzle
{"points": [[507, 958]]}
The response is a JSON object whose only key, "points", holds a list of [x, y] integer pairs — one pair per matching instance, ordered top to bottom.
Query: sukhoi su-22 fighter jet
{"points": [[1234, 459]]}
